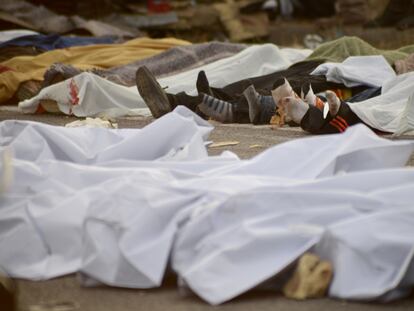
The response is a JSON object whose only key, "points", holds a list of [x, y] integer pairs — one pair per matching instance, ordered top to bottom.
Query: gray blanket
{"points": [[172, 61]]}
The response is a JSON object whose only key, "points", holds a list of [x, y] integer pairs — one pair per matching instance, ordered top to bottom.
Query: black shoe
{"points": [[202, 84], [152, 93], [253, 102]]}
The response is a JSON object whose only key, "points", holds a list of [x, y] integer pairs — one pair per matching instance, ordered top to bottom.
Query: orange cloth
{"points": [[24, 68]]}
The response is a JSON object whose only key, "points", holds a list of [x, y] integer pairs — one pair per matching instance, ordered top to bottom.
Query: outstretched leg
{"points": [[152, 93], [158, 101], [261, 107], [216, 109]]}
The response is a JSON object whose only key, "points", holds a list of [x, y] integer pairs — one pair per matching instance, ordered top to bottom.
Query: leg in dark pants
{"points": [[298, 75], [314, 123]]}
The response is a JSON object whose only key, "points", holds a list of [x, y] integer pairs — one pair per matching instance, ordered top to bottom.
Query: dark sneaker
{"points": [[202, 84], [152, 93]]}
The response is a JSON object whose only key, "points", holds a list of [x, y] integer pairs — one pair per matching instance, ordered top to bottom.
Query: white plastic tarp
{"points": [[7, 35], [358, 70], [90, 95], [393, 110], [119, 204]]}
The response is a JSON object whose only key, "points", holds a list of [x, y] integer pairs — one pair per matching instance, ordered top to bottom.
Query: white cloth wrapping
{"points": [[7, 35], [294, 55], [358, 70], [90, 95], [96, 96], [393, 110], [406, 123], [116, 205]]}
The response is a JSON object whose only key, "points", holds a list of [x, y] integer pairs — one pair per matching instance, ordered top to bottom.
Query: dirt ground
{"points": [[67, 291]]}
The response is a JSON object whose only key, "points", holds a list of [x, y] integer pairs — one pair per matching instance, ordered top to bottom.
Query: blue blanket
{"points": [[54, 41]]}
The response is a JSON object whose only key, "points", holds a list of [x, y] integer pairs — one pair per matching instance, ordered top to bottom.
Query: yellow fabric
{"points": [[101, 56]]}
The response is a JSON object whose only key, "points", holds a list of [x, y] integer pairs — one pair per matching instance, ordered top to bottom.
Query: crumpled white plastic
{"points": [[7, 35], [358, 70], [89, 95], [392, 111], [120, 205]]}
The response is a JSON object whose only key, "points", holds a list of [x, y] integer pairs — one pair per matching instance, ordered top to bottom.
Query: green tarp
{"points": [[338, 50]]}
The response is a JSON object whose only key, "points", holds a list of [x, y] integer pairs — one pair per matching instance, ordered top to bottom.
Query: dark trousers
{"points": [[298, 76], [314, 123]]}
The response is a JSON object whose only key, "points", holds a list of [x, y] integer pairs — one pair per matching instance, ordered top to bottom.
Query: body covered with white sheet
{"points": [[120, 205]]}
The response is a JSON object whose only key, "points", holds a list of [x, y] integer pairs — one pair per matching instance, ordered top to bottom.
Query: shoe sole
{"points": [[152, 93]]}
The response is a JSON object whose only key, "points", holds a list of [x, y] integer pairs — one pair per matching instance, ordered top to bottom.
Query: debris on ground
{"points": [[93, 122], [223, 144], [126, 207], [311, 278], [54, 306]]}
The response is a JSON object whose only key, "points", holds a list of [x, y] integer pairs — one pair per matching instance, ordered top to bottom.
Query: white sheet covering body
{"points": [[7, 35], [358, 70], [90, 95], [393, 110], [116, 205]]}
